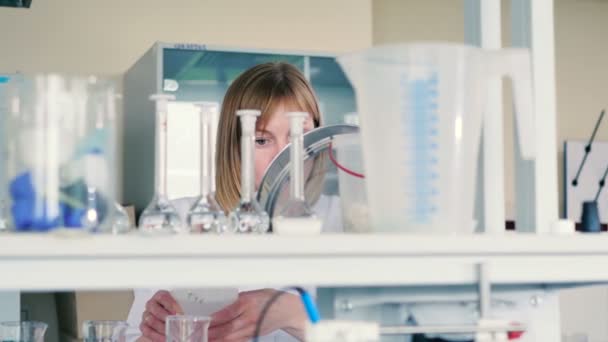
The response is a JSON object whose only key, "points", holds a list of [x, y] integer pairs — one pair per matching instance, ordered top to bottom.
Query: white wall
{"points": [[107, 36]]}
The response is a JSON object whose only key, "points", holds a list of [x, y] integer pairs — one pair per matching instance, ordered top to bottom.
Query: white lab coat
{"points": [[327, 208]]}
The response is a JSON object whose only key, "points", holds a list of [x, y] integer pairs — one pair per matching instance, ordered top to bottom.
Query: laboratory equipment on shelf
{"points": [[191, 72], [420, 109], [61, 153], [351, 178], [320, 182], [206, 215], [160, 216], [248, 216], [296, 216], [590, 218], [120, 220], [183, 328], [24, 331], [104, 331]]}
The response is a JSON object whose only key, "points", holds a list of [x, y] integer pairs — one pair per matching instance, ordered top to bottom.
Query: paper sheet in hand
{"points": [[205, 301]]}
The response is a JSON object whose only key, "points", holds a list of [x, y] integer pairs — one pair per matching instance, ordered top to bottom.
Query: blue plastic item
{"points": [[71, 206], [311, 308]]}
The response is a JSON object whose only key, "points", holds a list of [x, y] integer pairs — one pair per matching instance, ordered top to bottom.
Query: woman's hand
{"points": [[161, 305], [236, 322]]}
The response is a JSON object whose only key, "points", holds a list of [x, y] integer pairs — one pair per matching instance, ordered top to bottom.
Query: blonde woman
{"points": [[275, 89]]}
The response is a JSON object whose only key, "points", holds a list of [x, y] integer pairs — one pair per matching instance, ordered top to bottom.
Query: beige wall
{"points": [[411, 20], [581, 32], [107, 36], [581, 59]]}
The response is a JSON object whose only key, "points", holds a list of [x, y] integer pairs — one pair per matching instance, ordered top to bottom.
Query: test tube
{"points": [[206, 215], [160, 216], [248, 216], [296, 217]]}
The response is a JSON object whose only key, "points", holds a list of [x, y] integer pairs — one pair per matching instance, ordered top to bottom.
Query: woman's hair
{"points": [[263, 87]]}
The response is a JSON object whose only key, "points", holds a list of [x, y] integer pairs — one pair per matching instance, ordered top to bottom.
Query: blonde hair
{"points": [[263, 87]]}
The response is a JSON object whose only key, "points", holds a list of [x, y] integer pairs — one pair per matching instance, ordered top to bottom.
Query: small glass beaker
{"points": [[184, 328], [25, 331], [104, 331]]}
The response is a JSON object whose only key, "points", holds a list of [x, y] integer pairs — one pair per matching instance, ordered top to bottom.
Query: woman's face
{"points": [[270, 140]]}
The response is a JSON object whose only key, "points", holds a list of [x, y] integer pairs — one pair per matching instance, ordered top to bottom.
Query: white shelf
{"points": [[43, 262]]}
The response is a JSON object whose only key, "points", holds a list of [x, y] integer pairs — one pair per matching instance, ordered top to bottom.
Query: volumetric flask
{"points": [[160, 216], [248, 216], [183, 328], [27, 331], [104, 331]]}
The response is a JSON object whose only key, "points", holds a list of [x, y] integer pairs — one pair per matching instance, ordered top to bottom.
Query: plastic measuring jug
{"points": [[420, 108]]}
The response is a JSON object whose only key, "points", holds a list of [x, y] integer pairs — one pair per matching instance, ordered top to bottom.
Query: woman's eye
{"points": [[261, 141]]}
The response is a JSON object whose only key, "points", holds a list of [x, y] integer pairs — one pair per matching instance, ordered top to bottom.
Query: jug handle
{"points": [[516, 64]]}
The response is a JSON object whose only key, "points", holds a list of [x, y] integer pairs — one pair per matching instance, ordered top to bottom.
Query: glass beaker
{"points": [[420, 109], [61, 153], [183, 328], [25, 331], [104, 331]]}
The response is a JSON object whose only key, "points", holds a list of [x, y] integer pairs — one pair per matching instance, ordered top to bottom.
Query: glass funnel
{"points": [[206, 215], [160, 216], [248, 216]]}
